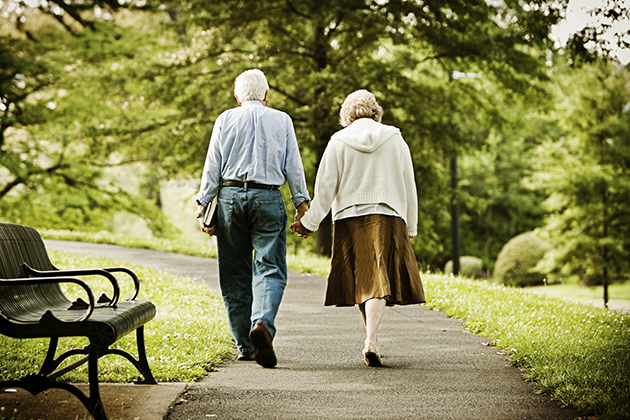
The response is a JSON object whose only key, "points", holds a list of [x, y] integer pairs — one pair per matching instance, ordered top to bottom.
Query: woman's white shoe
{"points": [[372, 358]]}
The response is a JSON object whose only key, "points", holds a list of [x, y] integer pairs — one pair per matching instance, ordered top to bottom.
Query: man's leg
{"points": [[268, 229], [268, 235], [234, 251]]}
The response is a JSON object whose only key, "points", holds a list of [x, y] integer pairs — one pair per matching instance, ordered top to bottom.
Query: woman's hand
{"points": [[297, 226], [300, 229]]}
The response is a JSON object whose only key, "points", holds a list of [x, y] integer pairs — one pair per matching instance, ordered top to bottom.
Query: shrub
{"points": [[517, 260], [470, 267]]}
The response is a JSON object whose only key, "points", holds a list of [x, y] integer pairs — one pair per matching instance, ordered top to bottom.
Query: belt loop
{"points": [[245, 186]]}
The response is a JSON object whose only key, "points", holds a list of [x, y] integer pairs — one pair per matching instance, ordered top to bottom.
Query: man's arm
{"points": [[294, 169], [211, 174], [210, 177]]}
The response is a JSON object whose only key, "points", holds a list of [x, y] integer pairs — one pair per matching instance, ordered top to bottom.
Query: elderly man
{"points": [[253, 151]]}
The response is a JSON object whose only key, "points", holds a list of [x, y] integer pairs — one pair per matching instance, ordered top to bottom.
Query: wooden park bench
{"points": [[32, 305]]}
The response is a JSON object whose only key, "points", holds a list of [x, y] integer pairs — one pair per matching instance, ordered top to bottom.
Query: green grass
{"points": [[180, 245], [309, 263], [618, 293], [186, 339], [578, 353]]}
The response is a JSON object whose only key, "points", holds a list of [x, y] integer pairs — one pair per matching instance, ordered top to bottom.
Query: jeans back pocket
{"points": [[270, 215]]}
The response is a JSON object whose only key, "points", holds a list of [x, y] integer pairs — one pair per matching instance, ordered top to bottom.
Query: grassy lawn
{"points": [[182, 245], [618, 294]]}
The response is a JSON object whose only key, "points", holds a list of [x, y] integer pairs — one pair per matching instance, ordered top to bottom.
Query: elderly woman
{"points": [[366, 176]]}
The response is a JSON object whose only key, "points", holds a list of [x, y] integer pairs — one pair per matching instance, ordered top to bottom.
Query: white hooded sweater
{"points": [[365, 163]]}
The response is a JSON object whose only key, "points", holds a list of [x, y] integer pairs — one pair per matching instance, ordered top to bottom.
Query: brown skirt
{"points": [[372, 258]]}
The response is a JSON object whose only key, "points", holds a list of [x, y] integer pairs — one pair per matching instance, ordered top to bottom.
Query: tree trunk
{"points": [[321, 112], [324, 237], [605, 287]]}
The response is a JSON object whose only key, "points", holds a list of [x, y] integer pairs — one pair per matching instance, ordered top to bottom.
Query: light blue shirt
{"points": [[253, 143]]}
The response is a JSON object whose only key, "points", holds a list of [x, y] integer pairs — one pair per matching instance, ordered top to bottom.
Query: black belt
{"points": [[249, 185]]}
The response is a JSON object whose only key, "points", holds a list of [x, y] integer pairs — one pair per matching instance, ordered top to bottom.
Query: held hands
{"points": [[297, 226], [301, 230]]}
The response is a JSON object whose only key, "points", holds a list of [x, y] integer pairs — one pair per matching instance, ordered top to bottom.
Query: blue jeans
{"points": [[252, 245]]}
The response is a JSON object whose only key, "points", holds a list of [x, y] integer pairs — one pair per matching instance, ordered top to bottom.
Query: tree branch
{"points": [[69, 10], [296, 11], [289, 96], [10, 186]]}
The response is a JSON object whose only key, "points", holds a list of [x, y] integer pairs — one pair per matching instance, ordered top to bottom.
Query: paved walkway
{"points": [[434, 369]]}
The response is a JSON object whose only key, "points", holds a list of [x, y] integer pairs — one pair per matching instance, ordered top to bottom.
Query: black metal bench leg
{"points": [[143, 363], [50, 364], [39, 383], [94, 403]]}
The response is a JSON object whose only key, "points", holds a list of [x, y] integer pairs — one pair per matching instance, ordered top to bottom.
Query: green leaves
{"points": [[123, 89], [73, 109], [587, 176]]}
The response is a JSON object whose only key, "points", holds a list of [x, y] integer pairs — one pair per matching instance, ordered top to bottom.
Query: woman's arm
{"points": [[326, 186]]}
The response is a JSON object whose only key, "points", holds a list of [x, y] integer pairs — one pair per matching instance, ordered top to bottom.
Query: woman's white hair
{"points": [[251, 85], [360, 104]]}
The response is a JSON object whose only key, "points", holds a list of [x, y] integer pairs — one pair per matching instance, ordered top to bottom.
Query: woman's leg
{"points": [[362, 310], [372, 313]]}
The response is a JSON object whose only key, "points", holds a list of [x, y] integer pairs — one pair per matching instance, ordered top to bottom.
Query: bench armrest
{"points": [[84, 272], [134, 277], [47, 280]]}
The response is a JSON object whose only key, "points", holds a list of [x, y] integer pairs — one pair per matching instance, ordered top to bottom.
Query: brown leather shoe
{"points": [[261, 338], [247, 355]]}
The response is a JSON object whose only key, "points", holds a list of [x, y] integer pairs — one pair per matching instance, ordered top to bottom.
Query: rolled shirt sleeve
{"points": [[294, 170], [211, 176]]}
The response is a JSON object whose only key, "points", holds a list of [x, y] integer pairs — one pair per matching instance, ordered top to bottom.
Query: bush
{"points": [[517, 260], [470, 267]]}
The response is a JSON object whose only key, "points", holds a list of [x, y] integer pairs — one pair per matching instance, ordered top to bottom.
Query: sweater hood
{"points": [[366, 135]]}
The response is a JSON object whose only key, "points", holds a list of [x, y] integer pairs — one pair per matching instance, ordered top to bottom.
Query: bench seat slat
{"points": [[106, 324]]}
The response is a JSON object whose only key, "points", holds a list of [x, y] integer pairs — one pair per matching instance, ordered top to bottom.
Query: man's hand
{"points": [[300, 210], [296, 226], [300, 229], [209, 230]]}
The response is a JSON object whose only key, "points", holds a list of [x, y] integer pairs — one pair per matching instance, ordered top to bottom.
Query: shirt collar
{"points": [[253, 102]]}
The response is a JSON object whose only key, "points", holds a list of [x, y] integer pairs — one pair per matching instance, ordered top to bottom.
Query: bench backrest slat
{"points": [[18, 245]]}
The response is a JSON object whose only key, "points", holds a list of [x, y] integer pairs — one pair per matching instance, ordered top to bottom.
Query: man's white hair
{"points": [[251, 85], [360, 104]]}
